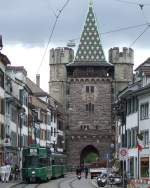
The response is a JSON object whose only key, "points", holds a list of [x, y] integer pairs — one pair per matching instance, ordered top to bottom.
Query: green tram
{"points": [[39, 164]]}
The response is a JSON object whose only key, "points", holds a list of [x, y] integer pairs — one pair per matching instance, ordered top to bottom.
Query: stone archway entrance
{"points": [[86, 151]]}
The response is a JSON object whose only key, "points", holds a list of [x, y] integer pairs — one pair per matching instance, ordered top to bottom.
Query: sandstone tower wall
{"points": [[59, 57], [123, 62]]}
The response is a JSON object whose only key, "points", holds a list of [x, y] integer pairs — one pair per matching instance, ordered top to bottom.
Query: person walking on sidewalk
{"points": [[8, 171], [86, 171], [3, 172], [16, 172]]}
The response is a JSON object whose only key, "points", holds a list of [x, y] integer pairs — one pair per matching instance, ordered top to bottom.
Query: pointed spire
{"points": [[90, 3], [90, 48]]}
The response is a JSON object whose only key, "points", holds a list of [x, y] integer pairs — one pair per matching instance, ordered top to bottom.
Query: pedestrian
{"points": [[78, 170], [8, 171], [16, 171], [86, 171], [3, 172]]}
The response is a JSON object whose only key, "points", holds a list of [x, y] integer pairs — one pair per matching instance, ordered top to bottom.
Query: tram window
{"points": [[30, 162], [43, 162], [48, 162], [53, 162]]}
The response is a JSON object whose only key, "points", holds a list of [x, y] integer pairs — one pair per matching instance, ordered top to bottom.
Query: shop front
{"points": [[144, 163]]}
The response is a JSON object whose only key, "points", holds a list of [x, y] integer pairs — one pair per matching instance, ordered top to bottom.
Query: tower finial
{"points": [[90, 3]]}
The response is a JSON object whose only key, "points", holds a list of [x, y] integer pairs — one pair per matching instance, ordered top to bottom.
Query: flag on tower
{"points": [[140, 141]]}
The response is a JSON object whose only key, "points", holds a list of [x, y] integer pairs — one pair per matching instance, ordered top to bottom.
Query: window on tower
{"points": [[89, 89], [92, 89], [68, 91], [90, 107]]}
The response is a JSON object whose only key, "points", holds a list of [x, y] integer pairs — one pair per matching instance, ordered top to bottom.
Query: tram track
{"points": [[70, 183], [23, 185]]}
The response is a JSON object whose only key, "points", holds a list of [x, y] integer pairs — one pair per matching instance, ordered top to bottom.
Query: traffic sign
{"points": [[123, 153]]}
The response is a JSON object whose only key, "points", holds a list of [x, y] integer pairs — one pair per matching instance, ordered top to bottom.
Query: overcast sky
{"points": [[26, 27]]}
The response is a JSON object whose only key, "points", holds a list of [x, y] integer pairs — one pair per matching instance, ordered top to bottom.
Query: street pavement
{"points": [[70, 181], [8, 185]]}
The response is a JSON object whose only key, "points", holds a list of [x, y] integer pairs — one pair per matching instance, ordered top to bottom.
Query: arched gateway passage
{"points": [[88, 151]]}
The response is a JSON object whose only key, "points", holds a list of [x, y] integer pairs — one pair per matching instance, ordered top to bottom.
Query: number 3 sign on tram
{"points": [[123, 153]]}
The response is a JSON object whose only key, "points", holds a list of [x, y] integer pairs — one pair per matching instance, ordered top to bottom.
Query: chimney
{"points": [[1, 43], [38, 80]]}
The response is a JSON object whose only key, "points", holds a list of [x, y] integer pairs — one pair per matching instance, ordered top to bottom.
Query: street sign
{"points": [[123, 153]]}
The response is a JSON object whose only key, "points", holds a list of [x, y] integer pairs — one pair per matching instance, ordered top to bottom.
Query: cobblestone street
{"points": [[69, 181]]}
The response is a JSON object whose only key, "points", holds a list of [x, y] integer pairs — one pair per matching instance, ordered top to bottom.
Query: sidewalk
{"points": [[9, 185]]}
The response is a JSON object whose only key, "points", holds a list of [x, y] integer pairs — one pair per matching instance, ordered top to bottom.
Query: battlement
{"points": [[61, 55], [126, 56]]}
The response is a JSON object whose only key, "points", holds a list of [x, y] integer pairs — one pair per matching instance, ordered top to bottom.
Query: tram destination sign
{"points": [[33, 151]]}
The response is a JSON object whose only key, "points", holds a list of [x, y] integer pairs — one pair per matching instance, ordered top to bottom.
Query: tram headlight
{"points": [[33, 172]]}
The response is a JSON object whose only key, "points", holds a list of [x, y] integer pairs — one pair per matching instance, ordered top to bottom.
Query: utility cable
{"points": [[133, 3], [141, 6], [53, 9], [123, 29], [117, 30], [52, 31], [139, 36]]}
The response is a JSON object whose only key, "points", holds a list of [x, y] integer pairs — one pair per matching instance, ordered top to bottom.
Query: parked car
{"points": [[115, 179], [102, 180]]}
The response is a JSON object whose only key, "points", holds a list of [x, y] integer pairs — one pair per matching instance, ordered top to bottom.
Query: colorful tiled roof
{"points": [[90, 48]]}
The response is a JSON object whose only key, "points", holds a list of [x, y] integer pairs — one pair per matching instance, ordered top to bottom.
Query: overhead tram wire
{"points": [[132, 3], [141, 6], [52, 9], [124, 28], [118, 30], [52, 31], [139, 36]]}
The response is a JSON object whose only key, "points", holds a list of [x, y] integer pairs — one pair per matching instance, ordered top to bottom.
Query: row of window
{"points": [[89, 89], [90, 107], [132, 107], [144, 111], [47, 119], [42, 134], [45, 134], [132, 138]]}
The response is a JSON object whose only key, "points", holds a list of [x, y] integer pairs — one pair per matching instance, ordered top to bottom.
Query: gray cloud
{"points": [[30, 22]]}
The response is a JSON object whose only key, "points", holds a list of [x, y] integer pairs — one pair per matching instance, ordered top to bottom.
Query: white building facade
{"points": [[135, 99]]}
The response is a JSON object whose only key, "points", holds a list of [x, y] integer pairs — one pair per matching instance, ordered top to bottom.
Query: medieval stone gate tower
{"points": [[85, 87]]}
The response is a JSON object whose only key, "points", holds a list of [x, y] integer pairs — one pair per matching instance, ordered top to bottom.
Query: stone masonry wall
{"points": [[96, 126]]}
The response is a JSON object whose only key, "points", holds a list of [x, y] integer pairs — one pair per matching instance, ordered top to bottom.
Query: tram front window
{"points": [[30, 161], [34, 162]]}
